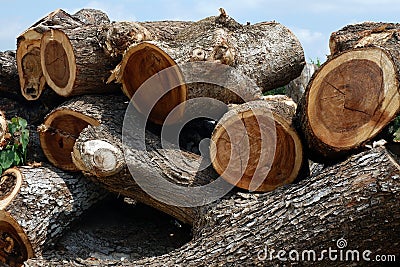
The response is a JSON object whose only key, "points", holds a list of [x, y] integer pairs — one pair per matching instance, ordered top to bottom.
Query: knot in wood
{"points": [[198, 54], [224, 54]]}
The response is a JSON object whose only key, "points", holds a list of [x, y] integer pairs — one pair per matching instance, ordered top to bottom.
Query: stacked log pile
{"points": [[115, 88]]}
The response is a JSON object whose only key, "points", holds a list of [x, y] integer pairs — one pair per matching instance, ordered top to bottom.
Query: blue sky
{"points": [[311, 20]]}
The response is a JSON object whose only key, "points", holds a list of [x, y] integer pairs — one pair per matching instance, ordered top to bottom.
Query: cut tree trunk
{"points": [[362, 35], [254, 51], [89, 53], [74, 63], [32, 81], [9, 86], [349, 100], [62, 126], [255, 147], [98, 152], [355, 202], [36, 206]]}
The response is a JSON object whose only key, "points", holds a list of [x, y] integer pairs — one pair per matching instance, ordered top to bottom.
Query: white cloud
{"points": [[308, 36], [315, 44]]}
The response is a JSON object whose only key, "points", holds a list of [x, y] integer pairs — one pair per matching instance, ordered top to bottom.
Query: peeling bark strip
{"points": [[267, 52], [32, 81], [349, 100], [63, 125], [254, 146], [357, 200], [36, 206]]}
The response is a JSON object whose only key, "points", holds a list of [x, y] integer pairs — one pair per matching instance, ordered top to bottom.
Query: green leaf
{"points": [[22, 123], [13, 127], [24, 138], [7, 158], [17, 159], [1, 170]]}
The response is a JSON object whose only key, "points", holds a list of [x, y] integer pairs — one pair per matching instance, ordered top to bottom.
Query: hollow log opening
{"points": [[58, 62], [139, 64], [32, 80], [352, 97], [62, 128], [14, 245], [13, 251]]}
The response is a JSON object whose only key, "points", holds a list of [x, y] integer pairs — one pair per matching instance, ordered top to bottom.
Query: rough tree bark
{"points": [[166, 30], [363, 34], [117, 37], [267, 52], [32, 81], [9, 86], [351, 98], [62, 126], [254, 146], [356, 200], [36, 205]]}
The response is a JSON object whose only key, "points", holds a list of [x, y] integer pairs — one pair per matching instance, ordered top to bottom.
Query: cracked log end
{"points": [[58, 62], [140, 63], [30, 73], [350, 100], [58, 134], [255, 147], [15, 247]]}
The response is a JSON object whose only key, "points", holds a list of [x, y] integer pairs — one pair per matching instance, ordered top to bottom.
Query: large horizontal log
{"points": [[232, 51], [267, 52], [77, 61], [32, 81], [350, 100], [63, 125], [99, 153], [355, 202], [36, 206]]}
